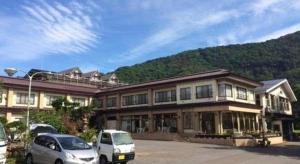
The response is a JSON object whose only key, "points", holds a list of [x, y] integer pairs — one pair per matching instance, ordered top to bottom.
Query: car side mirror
{"points": [[52, 146]]}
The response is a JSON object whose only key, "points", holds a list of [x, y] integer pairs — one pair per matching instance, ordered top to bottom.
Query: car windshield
{"points": [[2, 133], [122, 138], [73, 143]]}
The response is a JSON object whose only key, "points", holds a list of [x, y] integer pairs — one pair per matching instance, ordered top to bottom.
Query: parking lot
{"points": [[171, 152]]}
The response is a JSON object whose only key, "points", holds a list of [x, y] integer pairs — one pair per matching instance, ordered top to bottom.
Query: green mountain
{"points": [[277, 58]]}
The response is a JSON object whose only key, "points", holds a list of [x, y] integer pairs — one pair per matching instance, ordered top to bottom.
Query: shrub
{"points": [[89, 135]]}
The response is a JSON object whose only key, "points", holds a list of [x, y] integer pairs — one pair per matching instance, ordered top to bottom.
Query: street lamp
{"points": [[10, 72]]}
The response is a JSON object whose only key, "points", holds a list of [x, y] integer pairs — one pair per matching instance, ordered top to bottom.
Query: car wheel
{"points": [[29, 159], [103, 160], [58, 161], [123, 162]]}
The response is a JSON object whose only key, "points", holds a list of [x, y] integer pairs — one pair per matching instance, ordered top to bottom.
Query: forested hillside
{"points": [[278, 58]]}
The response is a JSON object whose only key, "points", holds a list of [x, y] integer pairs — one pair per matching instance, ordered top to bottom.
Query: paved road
{"points": [[171, 152]]}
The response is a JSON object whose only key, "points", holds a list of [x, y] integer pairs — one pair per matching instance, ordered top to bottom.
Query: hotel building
{"points": [[213, 102]]}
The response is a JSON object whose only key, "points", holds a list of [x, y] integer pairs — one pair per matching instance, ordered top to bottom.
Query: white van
{"points": [[3, 144], [115, 146]]}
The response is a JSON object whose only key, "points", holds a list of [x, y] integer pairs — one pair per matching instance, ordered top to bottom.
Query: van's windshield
{"points": [[2, 133], [122, 139]]}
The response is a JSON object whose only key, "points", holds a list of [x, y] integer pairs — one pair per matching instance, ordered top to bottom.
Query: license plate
{"points": [[121, 157]]}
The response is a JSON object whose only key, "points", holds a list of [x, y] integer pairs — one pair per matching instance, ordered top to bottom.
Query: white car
{"points": [[42, 128], [115, 146], [60, 149]]}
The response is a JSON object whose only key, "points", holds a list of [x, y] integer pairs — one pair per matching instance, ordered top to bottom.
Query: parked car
{"points": [[37, 129], [3, 144], [115, 146], [60, 149]]}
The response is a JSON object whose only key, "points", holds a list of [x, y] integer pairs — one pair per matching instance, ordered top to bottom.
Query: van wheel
{"points": [[29, 159], [103, 160], [58, 161], [123, 162]]}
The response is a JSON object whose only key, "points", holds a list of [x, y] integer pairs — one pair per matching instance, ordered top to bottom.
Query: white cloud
{"points": [[260, 6], [182, 24], [47, 28], [279, 33]]}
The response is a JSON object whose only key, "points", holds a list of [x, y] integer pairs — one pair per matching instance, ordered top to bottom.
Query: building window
{"points": [[225, 90], [204, 91], [185, 93], [241, 93], [251, 95], [165, 96], [22, 98], [50, 99], [139, 99], [142, 99], [257, 99], [128, 100], [80, 101], [111, 102], [272, 102], [100, 103], [188, 120], [227, 120]]}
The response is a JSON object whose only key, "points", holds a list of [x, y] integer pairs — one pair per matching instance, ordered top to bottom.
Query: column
{"points": [[10, 97], [150, 97], [41, 100], [119, 101], [179, 121], [196, 121], [232, 121], [238, 121], [244, 121], [150, 122], [200, 122], [221, 122], [253, 122], [257, 122], [118, 123], [217, 123]]}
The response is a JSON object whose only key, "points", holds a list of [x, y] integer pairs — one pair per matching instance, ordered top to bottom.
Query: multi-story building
{"points": [[71, 83], [275, 97], [209, 102], [213, 102]]}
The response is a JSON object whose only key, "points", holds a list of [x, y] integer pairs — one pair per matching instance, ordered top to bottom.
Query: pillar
{"points": [[10, 97], [150, 97], [41, 100], [118, 101], [179, 121], [196, 121], [244, 121], [150, 122], [200, 122], [221, 122], [238, 122], [118, 123], [217, 123], [257, 123]]}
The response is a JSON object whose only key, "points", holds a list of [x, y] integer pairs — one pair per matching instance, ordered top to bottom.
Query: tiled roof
{"points": [[70, 70], [89, 74], [201, 75], [268, 85], [48, 86]]}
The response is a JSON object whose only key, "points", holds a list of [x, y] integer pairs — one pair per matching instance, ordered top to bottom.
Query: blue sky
{"points": [[107, 34]]}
